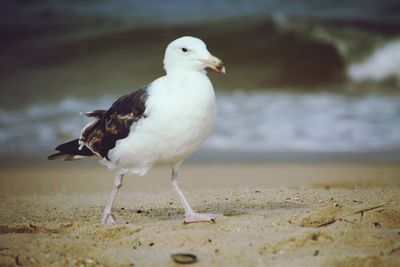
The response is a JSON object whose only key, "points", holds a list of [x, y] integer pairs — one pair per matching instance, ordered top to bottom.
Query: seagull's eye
{"points": [[184, 50]]}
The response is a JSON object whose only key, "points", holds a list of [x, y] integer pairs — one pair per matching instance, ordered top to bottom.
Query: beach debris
{"points": [[370, 208], [230, 213], [329, 215], [66, 225], [31, 229], [293, 243], [393, 250], [316, 252], [184, 258], [17, 261]]}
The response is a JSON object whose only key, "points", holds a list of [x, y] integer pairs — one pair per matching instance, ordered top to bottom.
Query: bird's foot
{"points": [[199, 217], [110, 218]]}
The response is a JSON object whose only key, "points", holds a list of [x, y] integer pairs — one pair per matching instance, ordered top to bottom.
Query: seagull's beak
{"points": [[214, 63]]}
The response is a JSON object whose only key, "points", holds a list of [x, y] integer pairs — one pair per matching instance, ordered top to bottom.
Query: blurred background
{"points": [[306, 80]]}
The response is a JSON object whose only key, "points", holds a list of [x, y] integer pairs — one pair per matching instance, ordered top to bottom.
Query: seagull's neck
{"points": [[172, 73], [183, 79]]}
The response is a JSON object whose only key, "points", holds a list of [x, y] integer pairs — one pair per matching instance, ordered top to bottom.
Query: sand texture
{"points": [[270, 215]]}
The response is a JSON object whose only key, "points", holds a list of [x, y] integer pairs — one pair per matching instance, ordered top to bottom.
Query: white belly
{"points": [[178, 121]]}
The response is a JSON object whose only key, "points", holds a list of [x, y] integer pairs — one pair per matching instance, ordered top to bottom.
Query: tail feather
{"points": [[99, 113], [70, 151], [57, 155], [63, 156]]}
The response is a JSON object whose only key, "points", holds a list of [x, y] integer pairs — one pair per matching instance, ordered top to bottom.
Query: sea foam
{"points": [[382, 64], [247, 121]]}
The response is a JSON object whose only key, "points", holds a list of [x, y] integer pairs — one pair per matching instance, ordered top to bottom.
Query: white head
{"points": [[189, 53]]}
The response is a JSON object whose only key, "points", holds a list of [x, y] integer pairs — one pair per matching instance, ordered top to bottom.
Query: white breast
{"points": [[180, 115]]}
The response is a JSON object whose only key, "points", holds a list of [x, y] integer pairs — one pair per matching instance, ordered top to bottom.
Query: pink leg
{"points": [[190, 215], [108, 217]]}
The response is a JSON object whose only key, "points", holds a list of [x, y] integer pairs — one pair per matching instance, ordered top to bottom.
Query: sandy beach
{"points": [[302, 167], [270, 215]]}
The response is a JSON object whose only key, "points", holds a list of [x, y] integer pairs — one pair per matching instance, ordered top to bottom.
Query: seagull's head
{"points": [[190, 53]]}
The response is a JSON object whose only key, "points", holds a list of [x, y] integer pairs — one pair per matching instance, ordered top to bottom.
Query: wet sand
{"points": [[270, 215]]}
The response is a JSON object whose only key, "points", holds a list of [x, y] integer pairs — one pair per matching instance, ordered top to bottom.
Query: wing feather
{"points": [[100, 136]]}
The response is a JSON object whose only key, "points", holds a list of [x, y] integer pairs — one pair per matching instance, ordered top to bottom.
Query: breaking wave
{"points": [[384, 63]]}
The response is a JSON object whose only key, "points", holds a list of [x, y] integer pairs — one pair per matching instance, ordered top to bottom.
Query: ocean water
{"points": [[181, 11], [247, 121], [319, 122]]}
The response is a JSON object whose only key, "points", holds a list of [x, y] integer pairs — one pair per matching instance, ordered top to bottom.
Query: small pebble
{"points": [[377, 225], [314, 237], [138, 244]]}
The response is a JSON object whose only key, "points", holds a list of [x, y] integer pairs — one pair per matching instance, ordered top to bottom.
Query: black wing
{"points": [[115, 123], [69, 151]]}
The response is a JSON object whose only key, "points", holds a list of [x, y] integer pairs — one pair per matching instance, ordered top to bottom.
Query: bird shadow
{"points": [[226, 208]]}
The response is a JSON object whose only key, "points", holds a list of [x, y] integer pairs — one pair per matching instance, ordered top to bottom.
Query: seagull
{"points": [[163, 122]]}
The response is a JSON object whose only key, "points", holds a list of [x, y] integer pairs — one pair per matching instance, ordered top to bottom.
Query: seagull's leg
{"points": [[190, 215], [108, 217]]}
